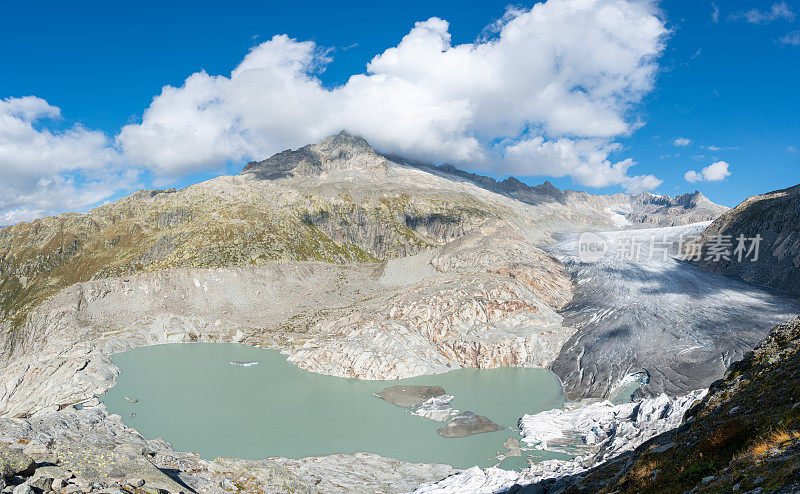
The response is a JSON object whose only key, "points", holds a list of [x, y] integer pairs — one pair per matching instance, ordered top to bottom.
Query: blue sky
{"points": [[724, 81]]}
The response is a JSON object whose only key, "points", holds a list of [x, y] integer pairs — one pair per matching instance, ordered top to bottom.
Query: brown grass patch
{"points": [[774, 439], [723, 442], [642, 473]]}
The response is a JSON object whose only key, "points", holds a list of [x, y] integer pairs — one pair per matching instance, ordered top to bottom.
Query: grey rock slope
{"points": [[776, 218], [350, 263]]}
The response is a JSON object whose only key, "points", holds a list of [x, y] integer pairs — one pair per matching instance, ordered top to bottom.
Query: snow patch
{"points": [[436, 408]]}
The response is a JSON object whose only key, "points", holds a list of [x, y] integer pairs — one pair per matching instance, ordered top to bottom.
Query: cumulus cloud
{"points": [[778, 10], [557, 81], [544, 91], [681, 142], [27, 151], [45, 170], [712, 173]]}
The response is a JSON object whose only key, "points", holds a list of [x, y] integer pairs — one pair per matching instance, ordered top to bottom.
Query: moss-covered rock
{"points": [[14, 462], [94, 464]]}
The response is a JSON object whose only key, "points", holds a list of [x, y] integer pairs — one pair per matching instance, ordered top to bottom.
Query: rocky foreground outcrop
{"points": [[774, 218], [744, 436], [87, 450]]}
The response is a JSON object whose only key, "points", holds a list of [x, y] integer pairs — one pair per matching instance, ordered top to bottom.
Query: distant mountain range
{"points": [[334, 201], [647, 208]]}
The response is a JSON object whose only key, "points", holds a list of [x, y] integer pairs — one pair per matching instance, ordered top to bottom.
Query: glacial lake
{"points": [[190, 395]]}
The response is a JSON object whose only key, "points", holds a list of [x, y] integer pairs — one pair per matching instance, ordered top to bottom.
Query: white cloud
{"points": [[778, 10], [714, 13], [792, 38], [561, 78], [544, 91], [681, 142], [791, 149], [26, 151], [586, 160], [45, 170], [712, 173], [692, 176], [60, 192]]}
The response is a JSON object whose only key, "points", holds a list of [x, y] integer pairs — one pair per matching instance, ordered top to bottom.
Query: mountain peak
{"points": [[346, 140], [340, 152]]}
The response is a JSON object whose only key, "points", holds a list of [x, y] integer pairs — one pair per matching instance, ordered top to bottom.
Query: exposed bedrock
{"points": [[451, 320], [372, 321], [97, 447]]}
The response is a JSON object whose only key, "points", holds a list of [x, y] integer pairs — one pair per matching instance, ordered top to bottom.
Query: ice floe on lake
{"points": [[598, 430]]}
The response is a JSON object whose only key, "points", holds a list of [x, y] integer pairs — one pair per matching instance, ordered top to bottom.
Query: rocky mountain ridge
{"points": [[644, 208], [775, 218]]}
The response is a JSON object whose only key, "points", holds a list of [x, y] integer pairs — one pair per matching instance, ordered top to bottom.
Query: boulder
{"points": [[409, 396], [466, 424], [14, 462], [93, 464], [43, 483], [23, 489]]}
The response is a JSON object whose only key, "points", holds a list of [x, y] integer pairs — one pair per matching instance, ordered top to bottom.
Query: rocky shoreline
{"points": [[356, 266], [100, 454]]}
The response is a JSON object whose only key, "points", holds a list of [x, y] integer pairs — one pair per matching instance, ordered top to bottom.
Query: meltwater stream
{"points": [[190, 395]]}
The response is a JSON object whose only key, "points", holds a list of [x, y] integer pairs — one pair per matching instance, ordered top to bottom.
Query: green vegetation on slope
{"points": [[220, 223]]}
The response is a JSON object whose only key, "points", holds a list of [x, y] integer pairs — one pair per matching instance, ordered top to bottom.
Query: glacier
{"points": [[655, 313]]}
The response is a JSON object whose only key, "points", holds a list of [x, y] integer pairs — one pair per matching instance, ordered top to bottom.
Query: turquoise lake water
{"points": [[189, 395]]}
